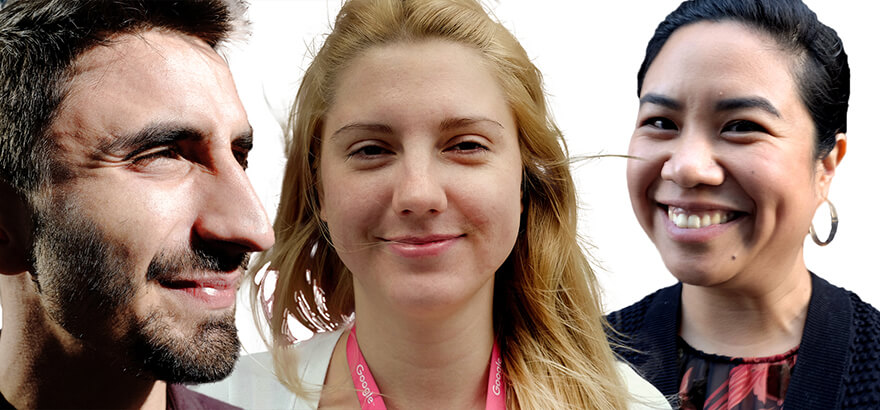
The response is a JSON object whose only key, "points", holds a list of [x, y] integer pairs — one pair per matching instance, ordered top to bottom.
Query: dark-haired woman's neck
{"points": [[759, 313]]}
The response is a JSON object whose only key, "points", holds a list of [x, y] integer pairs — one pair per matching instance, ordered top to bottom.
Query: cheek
{"points": [[641, 169], [641, 175], [776, 183], [787, 197], [494, 205], [350, 206], [124, 208]]}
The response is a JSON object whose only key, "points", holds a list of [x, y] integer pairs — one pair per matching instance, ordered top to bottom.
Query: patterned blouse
{"points": [[714, 382]]}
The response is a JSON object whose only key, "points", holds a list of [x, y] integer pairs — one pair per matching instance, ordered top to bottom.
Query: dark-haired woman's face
{"points": [[724, 181]]}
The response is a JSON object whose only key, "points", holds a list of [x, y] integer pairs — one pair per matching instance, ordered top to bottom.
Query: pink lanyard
{"points": [[369, 395]]}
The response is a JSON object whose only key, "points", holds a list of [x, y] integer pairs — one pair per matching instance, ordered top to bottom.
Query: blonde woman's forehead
{"points": [[407, 83]]}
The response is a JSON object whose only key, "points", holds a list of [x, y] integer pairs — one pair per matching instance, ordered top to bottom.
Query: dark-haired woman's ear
{"points": [[828, 165], [15, 231]]}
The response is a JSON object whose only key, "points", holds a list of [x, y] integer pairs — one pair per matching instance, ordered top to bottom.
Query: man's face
{"points": [[145, 226]]}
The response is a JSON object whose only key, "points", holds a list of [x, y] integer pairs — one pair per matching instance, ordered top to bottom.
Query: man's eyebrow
{"points": [[660, 100], [747, 102], [453, 123], [361, 126], [148, 137], [244, 140]]}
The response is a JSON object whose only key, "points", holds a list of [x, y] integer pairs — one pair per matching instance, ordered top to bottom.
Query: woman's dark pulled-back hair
{"points": [[39, 43], [821, 69]]}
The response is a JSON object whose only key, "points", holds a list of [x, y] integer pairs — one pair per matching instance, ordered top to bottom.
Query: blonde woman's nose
{"points": [[418, 188]]}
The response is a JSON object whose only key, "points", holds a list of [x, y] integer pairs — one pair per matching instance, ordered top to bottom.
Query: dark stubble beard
{"points": [[88, 286]]}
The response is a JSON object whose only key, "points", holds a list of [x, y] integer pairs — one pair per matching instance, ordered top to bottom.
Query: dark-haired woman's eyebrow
{"points": [[660, 100], [761, 103]]}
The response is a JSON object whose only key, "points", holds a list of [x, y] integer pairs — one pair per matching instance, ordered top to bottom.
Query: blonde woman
{"points": [[427, 228]]}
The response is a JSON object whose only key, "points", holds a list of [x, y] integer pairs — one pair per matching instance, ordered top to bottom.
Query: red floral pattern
{"points": [[714, 382]]}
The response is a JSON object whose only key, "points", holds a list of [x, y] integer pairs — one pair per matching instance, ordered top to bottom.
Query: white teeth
{"points": [[683, 219], [680, 220], [210, 291]]}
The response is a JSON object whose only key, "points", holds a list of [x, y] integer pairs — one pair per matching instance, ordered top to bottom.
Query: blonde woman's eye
{"points": [[468, 146], [369, 151]]}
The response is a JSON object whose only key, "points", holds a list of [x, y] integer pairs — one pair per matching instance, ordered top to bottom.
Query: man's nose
{"points": [[231, 214]]}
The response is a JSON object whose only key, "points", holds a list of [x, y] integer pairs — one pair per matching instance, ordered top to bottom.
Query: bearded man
{"points": [[126, 217]]}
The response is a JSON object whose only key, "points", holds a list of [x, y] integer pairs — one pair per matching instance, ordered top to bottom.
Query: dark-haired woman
{"points": [[740, 130]]}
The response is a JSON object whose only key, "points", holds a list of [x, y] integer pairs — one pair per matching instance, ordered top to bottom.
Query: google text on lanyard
{"points": [[368, 392]]}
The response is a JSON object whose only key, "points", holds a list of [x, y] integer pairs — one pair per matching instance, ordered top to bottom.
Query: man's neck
{"points": [[41, 366]]}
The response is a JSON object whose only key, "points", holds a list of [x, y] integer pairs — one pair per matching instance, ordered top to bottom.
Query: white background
{"points": [[589, 53]]}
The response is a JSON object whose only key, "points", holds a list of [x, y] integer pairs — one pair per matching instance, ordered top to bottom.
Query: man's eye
{"points": [[660, 123], [156, 154], [242, 158]]}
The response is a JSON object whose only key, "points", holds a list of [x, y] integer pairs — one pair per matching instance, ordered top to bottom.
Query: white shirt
{"points": [[253, 385]]}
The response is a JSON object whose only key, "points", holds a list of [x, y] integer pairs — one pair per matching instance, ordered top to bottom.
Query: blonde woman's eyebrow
{"points": [[459, 122], [361, 126]]}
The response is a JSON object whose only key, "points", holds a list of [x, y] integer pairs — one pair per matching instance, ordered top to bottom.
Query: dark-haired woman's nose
{"points": [[693, 162]]}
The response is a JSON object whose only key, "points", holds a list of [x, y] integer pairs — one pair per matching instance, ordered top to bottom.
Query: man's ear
{"points": [[828, 165], [16, 233]]}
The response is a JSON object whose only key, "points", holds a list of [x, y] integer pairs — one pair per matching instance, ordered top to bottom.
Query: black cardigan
{"points": [[838, 362]]}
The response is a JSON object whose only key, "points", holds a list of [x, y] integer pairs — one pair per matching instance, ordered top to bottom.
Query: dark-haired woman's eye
{"points": [[660, 123], [743, 126]]}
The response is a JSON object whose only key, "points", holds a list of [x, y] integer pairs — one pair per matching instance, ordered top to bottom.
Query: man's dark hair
{"points": [[41, 39], [821, 69]]}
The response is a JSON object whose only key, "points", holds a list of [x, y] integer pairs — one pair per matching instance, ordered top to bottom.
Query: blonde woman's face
{"points": [[420, 177], [725, 182]]}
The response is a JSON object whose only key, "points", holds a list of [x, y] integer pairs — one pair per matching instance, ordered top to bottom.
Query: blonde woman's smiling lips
{"points": [[420, 246]]}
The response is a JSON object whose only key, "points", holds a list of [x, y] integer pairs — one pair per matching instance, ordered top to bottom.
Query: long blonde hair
{"points": [[547, 313]]}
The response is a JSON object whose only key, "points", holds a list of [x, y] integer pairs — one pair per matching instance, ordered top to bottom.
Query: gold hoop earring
{"points": [[833, 227]]}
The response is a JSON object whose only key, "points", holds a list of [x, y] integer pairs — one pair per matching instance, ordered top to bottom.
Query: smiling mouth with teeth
{"points": [[683, 218]]}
